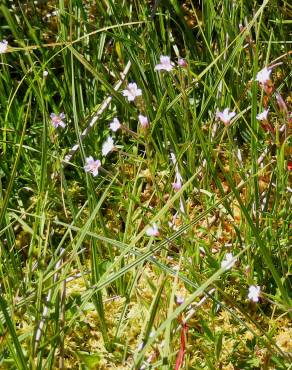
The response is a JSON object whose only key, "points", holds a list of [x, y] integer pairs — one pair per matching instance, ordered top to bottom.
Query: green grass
{"points": [[82, 285]]}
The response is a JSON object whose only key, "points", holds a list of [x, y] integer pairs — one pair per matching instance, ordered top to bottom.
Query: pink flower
{"points": [[182, 62], [165, 64], [263, 76], [132, 91], [281, 103], [225, 116], [263, 116], [57, 120], [143, 121], [115, 125], [92, 165], [177, 185], [152, 230], [254, 293]]}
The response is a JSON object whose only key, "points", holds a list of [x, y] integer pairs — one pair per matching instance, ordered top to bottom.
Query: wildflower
{"points": [[3, 46], [182, 62], [165, 64], [45, 73], [263, 76], [132, 91], [281, 103], [225, 116], [263, 116], [57, 120], [143, 121], [115, 125], [107, 146], [92, 165], [177, 185], [181, 205], [152, 230], [228, 261], [254, 293], [179, 300], [140, 346]]}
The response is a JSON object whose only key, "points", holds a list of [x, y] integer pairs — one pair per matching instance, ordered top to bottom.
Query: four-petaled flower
{"points": [[3, 46], [165, 64], [263, 76], [132, 91], [225, 116], [263, 116], [57, 120], [143, 121], [115, 125], [107, 146], [92, 165], [152, 230], [228, 261], [254, 292]]}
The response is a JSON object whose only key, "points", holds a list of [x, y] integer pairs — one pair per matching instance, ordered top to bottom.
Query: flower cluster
{"points": [[167, 65]]}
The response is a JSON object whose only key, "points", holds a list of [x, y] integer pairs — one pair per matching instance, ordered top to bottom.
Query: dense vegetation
{"points": [[145, 184]]}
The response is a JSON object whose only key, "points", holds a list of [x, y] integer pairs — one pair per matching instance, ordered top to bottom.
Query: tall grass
{"points": [[83, 283]]}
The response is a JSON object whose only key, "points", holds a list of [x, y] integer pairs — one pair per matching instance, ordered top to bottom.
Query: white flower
{"points": [[3, 46], [165, 64], [45, 73], [263, 76], [132, 91], [225, 116], [263, 116], [57, 120], [143, 121], [115, 125], [107, 146], [92, 165], [152, 230], [228, 261], [254, 293]]}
